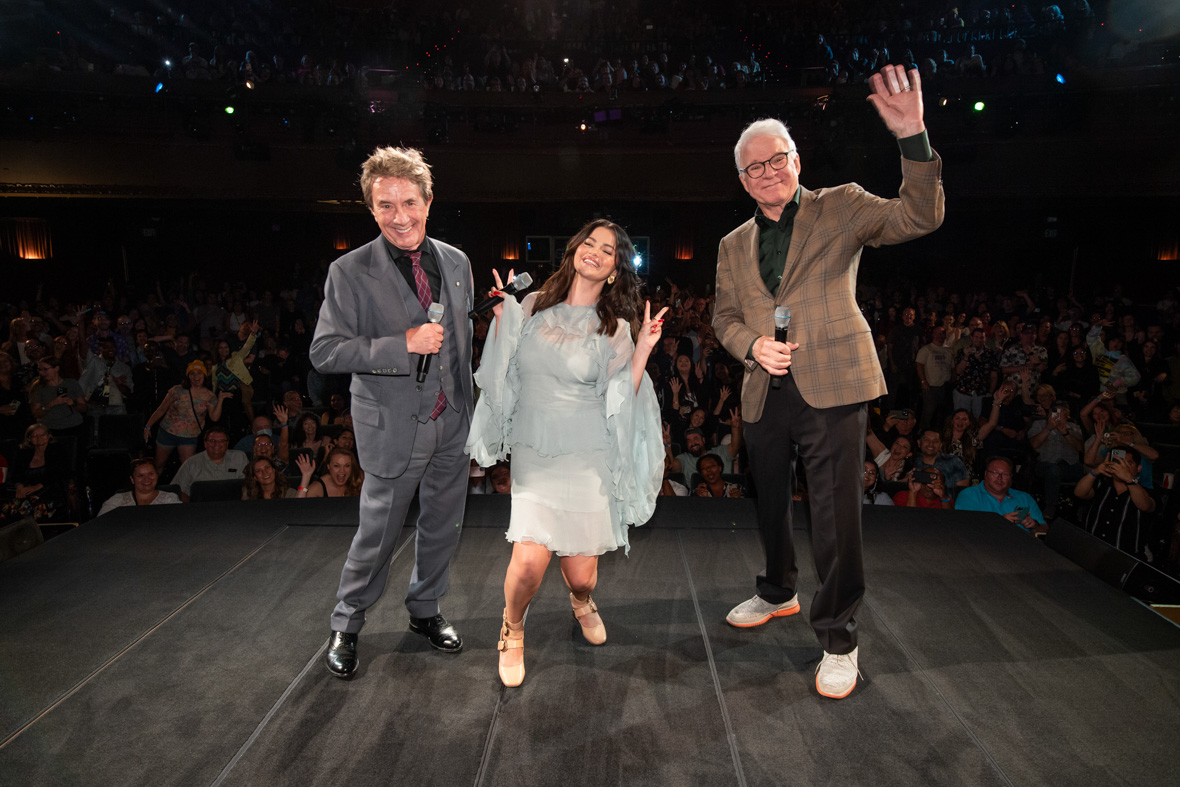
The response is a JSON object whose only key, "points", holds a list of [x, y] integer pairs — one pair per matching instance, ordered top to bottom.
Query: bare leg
{"points": [[162, 452], [185, 452], [525, 572], [581, 575]]}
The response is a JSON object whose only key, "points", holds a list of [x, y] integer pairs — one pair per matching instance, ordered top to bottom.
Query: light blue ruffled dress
{"points": [[587, 450]]}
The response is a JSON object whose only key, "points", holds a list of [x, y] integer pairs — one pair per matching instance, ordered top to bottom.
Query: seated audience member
{"points": [[106, 382], [1077, 383], [1147, 398], [57, 402], [337, 405], [14, 409], [185, 411], [898, 423], [260, 424], [1004, 431], [960, 437], [306, 438], [346, 440], [694, 442], [1058, 443], [264, 447], [1098, 447], [895, 461], [216, 463], [954, 471], [40, 474], [343, 476], [477, 479], [500, 479], [264, 480], [711, 483], [669, 487], [927, 489], [143, 490], [996, 495], [873, 496], [1121, 512]]}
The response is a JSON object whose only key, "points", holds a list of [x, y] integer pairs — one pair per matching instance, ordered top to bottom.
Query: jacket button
{"points": [[394, 371], [419, 388], [414, 417]]}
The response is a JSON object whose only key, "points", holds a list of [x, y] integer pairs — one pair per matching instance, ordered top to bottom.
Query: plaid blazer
{"points": [[836, 362]]}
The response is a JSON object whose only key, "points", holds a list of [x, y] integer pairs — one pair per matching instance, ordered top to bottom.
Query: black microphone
{"points": [[518, 284], [435, 315], [782, 319]]}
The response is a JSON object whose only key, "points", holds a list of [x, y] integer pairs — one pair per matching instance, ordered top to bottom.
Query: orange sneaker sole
{"points": [[782, 613], [833, 696]]}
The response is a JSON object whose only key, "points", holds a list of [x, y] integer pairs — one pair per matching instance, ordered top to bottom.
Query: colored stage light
{"points": [[979, 105]]}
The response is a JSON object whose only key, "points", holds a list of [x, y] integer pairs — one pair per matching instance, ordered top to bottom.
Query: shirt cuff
{"points": [[916, 148], [750, 352]]}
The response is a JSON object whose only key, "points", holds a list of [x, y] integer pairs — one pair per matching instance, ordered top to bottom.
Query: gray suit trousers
{"points": [[438, 470]]}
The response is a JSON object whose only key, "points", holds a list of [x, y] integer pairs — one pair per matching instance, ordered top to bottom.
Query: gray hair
{"points": [[767, 127]]}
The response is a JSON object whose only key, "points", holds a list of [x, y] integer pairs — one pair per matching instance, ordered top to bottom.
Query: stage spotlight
{"points": [[168, 64], [1061, 79], [249, 84], [159, 87], [942, 102], [979, 105], [229, 110], [582, 127]]}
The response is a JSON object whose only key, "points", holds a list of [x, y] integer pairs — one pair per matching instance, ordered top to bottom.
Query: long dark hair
{"points": [[618, 300]]}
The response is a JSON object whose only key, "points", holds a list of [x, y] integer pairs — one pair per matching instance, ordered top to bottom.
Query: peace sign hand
{"points": [[498, 309], [653, 328]]}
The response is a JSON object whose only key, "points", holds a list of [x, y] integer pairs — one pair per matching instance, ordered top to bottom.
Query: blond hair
{"points": [[390, 162]]}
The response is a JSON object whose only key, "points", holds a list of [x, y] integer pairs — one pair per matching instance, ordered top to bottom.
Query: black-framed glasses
{"points": [[776, 162]]}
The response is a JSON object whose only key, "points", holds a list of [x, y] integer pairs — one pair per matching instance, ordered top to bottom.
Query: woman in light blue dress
{"points": [[564, 392]]}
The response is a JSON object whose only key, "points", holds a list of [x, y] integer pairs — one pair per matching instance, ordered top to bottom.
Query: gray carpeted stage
{"points": [[183, 645]]}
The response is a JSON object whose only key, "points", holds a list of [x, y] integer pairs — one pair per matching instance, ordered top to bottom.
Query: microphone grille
{"points": [[522, 281], [435, 312], [782, 316]]}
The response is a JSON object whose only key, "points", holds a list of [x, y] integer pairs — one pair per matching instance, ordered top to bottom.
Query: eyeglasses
{"points": [[776, 162]]}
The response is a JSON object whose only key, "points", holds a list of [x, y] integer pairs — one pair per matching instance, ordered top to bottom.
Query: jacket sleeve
{"points": [[339, 347]]}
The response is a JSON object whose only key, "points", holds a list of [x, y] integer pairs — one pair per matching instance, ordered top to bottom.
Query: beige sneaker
{"points": [[755, 612], [836, 674]]}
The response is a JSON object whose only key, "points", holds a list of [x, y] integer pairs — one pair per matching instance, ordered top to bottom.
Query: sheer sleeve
{"points": [[491, 425], [634, 431]]}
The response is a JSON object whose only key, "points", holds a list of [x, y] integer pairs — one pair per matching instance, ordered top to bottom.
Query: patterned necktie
{"points": [[425, 298]]}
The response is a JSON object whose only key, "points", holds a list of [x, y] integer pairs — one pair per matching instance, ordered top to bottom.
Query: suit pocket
{"points": [[366, 412]]}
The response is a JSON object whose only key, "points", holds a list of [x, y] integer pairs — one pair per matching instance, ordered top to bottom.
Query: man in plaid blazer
{"points": [[802, 249]]}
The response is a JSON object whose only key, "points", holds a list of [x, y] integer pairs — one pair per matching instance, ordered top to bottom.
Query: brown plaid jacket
{"points": [[836, 362]]}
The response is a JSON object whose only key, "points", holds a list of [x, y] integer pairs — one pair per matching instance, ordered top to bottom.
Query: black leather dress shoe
{"points": [[442, 635], [342, 660]]}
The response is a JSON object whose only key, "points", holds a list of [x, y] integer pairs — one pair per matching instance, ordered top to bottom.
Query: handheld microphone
{"points": [[518, 284], [435, 315], [782, 320]]}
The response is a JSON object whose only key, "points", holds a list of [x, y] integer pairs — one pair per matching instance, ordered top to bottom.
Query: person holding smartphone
{"points": [[57, 402], [1058, 443], [927, 489], [996, 495], [1122, 512]]}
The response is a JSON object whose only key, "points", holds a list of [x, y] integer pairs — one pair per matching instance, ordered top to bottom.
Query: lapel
{"points": [[800, 233], [748, 238], [450, 271], [386, 284]]}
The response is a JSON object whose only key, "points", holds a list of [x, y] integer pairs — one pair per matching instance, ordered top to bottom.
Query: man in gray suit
{"points": [[410, 434]]}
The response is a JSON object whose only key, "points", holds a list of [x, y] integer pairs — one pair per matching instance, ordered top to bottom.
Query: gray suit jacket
{"points": [[367, 309]]}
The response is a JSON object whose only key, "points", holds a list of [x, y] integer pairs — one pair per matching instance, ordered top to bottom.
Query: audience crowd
{"points": [[561, 45], [1033, 405]]}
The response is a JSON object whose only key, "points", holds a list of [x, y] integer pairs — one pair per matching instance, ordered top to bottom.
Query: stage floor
{"points": [[184, 645]]}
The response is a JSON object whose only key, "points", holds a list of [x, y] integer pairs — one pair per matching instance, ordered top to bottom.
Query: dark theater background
{"points": [[181, 168]]}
